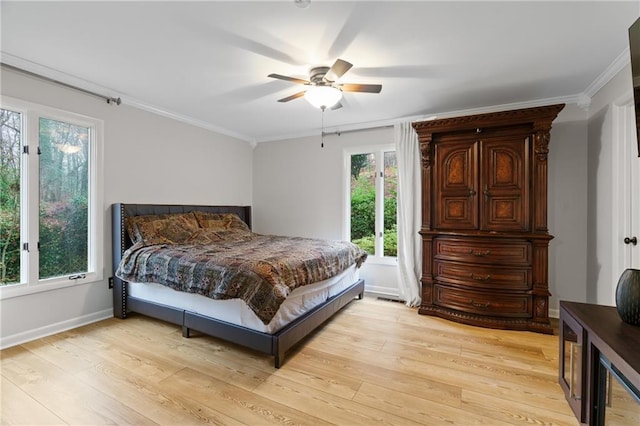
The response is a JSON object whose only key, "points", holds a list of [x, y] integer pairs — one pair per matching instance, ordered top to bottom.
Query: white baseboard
{"points": [[381, 291], [554, 313], [48, 330]]}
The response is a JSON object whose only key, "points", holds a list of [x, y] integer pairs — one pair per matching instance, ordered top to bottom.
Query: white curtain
{"points": [[409, 213]]}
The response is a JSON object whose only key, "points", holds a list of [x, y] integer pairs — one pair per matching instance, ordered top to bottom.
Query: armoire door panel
{"points": [[505, 166], [456, 186], [505, 186], [505, 212], [456, 213]]}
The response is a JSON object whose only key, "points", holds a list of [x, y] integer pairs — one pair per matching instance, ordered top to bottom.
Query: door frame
{"points": [[626, 177]]}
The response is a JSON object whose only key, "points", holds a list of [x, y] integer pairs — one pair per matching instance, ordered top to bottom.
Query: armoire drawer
{"points": [[517, 253], [483, 277], [493, 304]]}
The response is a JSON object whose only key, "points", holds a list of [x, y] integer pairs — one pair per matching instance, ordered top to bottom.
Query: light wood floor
{"points": [[376, 362]]}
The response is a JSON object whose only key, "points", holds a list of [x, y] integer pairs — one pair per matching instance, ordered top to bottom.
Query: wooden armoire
{"points": [[484, 218]]}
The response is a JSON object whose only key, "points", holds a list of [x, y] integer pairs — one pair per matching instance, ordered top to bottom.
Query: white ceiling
{"points": [[207, 62]]}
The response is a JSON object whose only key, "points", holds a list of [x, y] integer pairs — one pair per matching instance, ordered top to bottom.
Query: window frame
{"points": [[379, 150], [29, 217]]}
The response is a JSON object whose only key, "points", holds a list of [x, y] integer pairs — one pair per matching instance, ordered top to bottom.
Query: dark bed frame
{"points": [[274, 344]]}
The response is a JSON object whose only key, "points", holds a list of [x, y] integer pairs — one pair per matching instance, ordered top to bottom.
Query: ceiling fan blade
{"points": [[357, 19], [260, 43], [337, 70], [287, 78], [366, 88], [249, 93], [292, 97]]}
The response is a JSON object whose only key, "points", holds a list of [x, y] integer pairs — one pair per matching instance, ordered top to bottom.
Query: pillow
{"points": [[220, 221], [162, 229], [230, 235], [204, 236]]}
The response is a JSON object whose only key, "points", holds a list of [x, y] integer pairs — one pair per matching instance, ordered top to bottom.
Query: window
{"points": [[372, 200], [50, 208]]}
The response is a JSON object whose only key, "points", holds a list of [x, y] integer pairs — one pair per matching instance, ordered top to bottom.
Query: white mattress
{"points": [[236, 311]]}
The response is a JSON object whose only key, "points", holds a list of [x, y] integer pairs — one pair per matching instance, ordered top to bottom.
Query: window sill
{"points": [[386, 261], [17, 290]]}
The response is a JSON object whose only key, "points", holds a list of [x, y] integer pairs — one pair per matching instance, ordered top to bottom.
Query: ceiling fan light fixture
{"points": [[323, 96]]}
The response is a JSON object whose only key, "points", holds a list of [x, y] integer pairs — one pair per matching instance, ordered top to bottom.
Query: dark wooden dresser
{"points": [[484, 218], [599, 364]]}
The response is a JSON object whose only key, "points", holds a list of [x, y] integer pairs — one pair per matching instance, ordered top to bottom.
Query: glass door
{"points": [[572, 363], [617, 400]]}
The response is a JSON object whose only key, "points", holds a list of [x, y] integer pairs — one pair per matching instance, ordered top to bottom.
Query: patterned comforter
{"points": [[260, 269]]}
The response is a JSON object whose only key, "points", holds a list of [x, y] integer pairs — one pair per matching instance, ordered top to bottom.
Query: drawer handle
{"points": [[478, 253], [480, 277], [479, 305]]}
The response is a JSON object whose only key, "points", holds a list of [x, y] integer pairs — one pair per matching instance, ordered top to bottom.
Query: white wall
{"points": [[147, 159], [567, 208], [602, 208]]}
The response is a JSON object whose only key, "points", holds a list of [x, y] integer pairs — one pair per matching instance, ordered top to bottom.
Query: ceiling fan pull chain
{"points": [[322, 129]]}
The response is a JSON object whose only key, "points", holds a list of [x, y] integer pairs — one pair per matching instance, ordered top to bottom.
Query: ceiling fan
{"points": [[323, 91]]}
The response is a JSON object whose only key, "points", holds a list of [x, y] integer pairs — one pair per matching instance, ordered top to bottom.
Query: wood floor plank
{"points": [[351, 336], [449, 336], [369, 337], [60, 351], [130, 353], [213, 358], [409, 360], [374, 362], [500, 363], [536, 363], [328, 365], [457, 372], [510, 384], [342, 386], [64, 395], [162, 404], [325, 406], [247, 407], [18, 408], [425, 412], [513, 412]]}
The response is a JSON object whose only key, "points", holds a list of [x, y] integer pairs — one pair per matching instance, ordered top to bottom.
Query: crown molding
{"points": [[611, 71], [68, 79], [187, 120]]}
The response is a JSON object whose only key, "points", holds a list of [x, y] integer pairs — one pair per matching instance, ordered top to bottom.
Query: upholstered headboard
{"points": [[121, 241]]}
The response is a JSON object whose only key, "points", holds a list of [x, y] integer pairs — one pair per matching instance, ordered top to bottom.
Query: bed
{"points": [[245, 323]]}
